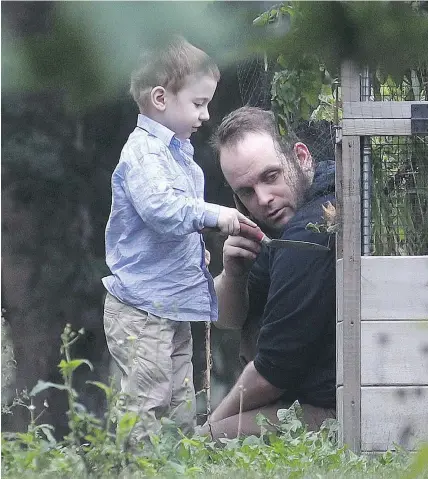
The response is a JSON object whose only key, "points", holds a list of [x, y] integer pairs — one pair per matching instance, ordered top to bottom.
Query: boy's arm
{"points": [[165, 205]]}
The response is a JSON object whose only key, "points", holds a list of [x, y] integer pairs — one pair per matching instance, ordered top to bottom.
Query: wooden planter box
{"points": [[382, 302], [393, 359]]}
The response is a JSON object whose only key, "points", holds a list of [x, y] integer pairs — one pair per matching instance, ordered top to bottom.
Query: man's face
{"points": [[188, 108], [270, 187]]}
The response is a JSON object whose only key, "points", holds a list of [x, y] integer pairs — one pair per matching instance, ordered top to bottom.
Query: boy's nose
{"points": [[204, 115]]}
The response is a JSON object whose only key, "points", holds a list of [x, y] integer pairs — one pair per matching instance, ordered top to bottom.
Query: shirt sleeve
{"points": [[163, 203], [300, 301]]}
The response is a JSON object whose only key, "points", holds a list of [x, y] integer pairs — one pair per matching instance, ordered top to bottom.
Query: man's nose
{"points": [[204, 115], [264, 196]]}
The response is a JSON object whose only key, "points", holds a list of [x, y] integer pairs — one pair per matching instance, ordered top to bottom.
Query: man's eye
{"points": [[197, 104], [272, 177]]}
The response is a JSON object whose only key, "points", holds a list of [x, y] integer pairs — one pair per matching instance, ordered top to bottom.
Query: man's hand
{"points": [[229, 221], [238, 255]]}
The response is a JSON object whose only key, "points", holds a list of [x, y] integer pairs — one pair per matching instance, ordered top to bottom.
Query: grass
{"points": [[99, 447]]}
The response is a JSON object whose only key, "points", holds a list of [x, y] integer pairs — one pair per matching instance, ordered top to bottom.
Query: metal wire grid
{"points": [[254, 80], [376, 87], [394, 176], [399, 195]]}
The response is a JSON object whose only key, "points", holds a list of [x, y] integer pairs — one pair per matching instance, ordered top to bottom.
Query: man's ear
{"points": [[158, 98], [303, 155]]}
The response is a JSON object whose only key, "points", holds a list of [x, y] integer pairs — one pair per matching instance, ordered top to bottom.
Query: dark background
{"points": [[66, 114]]}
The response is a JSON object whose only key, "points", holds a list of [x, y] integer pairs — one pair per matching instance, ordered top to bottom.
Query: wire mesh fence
{"points": [[255, 77], [381, 87], [394, 168], [395, 175], [399, 197]]}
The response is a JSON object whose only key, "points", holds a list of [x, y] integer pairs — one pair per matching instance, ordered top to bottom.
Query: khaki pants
{"points": [[155, 358], [313, 417]]}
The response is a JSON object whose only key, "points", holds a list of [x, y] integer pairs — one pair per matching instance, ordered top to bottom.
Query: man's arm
{"points": [[232, 284], [232, 295], [256, 392]]}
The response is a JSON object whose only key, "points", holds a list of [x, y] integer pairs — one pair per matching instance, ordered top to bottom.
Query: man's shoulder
{"points": [[311, 212]]}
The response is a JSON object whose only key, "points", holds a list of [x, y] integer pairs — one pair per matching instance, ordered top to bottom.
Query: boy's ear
{"points": [[157, 97]]}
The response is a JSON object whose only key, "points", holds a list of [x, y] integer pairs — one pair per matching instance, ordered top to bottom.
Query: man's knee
{"points": [[247, 423]]}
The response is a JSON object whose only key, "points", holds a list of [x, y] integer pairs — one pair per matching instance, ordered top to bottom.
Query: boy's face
{"points": [[188, 108]]}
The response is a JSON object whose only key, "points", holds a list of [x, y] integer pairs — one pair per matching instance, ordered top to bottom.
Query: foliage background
{"points": [[66, 115]]}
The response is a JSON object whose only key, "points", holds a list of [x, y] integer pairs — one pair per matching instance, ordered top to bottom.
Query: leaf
{"points": [[261, 20], [313, 227], [68, 367], [43, 385], [107, 390], [294, 412], [126, 424], [47, 431], [252, 441], [419, 464], [177, 467]]}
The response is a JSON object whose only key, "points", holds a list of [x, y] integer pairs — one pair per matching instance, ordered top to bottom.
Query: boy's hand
{"points": [[229, 221], [207, 258]]}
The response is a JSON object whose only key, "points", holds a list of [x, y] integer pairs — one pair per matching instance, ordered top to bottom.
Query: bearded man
{"points": [[282, 300]]}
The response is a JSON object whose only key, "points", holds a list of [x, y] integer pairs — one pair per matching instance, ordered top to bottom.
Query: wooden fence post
{"points": [[348, 191]]}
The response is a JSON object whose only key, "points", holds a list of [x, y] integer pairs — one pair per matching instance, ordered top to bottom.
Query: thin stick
{"points": [[208, 366], [241, 400]]}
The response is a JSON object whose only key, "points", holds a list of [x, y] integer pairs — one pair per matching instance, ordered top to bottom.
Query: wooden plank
{"points": [[350, 82], [379, 109], [376, 127], [339, 196], [351, 227], [350, 239], [339, 284], [394, 287], [394, 352], [339, 354], [339, 412], [393, 415]]}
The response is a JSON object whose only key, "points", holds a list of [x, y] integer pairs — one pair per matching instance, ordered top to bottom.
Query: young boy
{"points": [[154, 247]]}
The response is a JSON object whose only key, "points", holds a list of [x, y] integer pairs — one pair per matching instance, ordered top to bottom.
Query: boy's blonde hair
{"points": [[168, 67]]}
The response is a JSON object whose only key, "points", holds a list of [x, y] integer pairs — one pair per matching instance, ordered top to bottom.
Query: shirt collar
{"points": [[163, 133]]}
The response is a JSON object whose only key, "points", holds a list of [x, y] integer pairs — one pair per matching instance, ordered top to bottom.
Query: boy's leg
{"points": [[141, 345], [183, 403]]}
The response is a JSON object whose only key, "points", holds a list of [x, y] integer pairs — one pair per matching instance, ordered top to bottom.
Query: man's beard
{"points": [[301, 183]]}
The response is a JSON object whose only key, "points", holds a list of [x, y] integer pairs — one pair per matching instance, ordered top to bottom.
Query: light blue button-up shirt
{"points": [[153, 246]]}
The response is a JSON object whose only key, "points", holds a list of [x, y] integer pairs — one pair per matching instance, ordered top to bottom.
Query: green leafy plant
{"points": [[302, 88], [96, 449]]}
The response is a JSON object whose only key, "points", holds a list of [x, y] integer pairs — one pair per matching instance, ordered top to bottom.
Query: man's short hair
{"points": [[168, 66], [249, 119]]}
